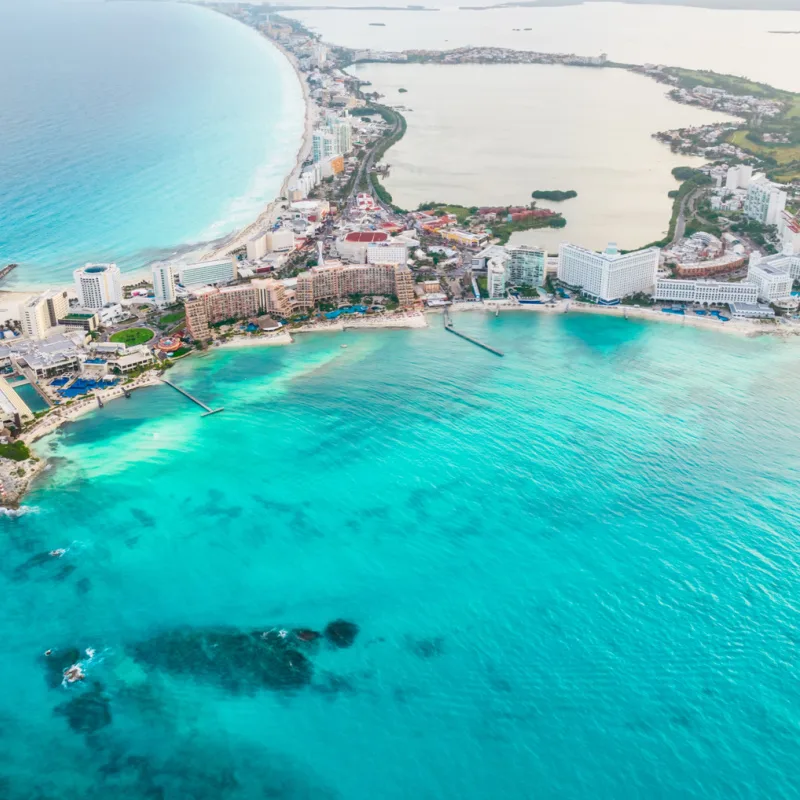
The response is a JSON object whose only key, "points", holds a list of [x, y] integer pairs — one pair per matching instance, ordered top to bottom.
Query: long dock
{"points": [[448, 326], [208, 410]]}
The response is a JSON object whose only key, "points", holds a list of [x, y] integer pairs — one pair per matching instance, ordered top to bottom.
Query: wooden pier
{"points": [[448, 326], [208, 410]]}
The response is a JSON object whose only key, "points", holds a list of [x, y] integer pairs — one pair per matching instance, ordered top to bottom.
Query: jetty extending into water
{"points": [[448, 326], [208, 410]]}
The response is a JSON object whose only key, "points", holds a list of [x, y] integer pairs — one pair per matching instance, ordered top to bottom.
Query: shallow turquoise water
{"points": [[130, 130], [574, 570]]}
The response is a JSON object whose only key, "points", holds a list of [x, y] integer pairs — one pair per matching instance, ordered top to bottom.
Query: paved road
{"points": [[366, 166], [680, 225]]}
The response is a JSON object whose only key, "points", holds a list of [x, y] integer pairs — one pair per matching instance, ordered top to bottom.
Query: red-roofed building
{"points": [[365, 201], [372, 237], [353, 247]]}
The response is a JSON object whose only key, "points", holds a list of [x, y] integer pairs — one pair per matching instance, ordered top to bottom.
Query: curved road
{"points": [[367, 163], [680, 224]]}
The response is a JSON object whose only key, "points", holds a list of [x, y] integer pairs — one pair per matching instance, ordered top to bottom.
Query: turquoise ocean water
{"points": [[131, 129], [574, 570]]}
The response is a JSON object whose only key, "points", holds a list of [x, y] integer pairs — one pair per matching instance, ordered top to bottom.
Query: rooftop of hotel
{"points": [[367, 236], [611, 253], [211, 263], [777, 269], [750, 307], [42, 353]]}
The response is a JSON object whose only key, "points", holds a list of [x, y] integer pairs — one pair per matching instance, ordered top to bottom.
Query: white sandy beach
{"points": [[406, 319], [741, 327], [274, 340]]}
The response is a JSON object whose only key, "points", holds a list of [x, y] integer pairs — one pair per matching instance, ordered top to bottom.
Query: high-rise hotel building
{"points": [[526, 265], [608, 276], [335, 281], [98, 284], [163, 284], [210, 305]]}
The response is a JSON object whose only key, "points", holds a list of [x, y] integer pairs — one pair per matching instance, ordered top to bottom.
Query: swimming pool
{"points": [[31, 397]]}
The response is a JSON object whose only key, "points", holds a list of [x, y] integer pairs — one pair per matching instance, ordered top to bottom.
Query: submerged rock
{"points": [[37, 560], [65, 572], [341, 633], [306, 634], [426, 648], [239, 660], [57, 662], [331, 684], [87, 712]]}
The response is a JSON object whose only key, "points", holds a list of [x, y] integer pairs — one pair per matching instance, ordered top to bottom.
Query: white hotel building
{"points": [[765, 201], [387, 253], [208, 273], [608, 276], [773, 276], [496, 278], [98, 284], [163, 284], [705, 292], [41, 313]]}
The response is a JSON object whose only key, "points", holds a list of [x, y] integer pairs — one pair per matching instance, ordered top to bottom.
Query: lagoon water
{"points": [[730, 41], [132, 129], [491, 134], [573, 568]]}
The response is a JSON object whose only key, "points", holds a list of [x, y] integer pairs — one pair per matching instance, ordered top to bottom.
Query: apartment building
{"points": [[526, 265]]}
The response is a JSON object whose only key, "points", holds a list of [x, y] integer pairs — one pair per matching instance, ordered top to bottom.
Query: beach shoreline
{"points": [[267, 217], [190, 252], [742, 327], [238, 342], [38, 463]]}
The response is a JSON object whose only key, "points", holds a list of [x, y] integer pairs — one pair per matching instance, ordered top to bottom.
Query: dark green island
{"points": [[554, 195]]}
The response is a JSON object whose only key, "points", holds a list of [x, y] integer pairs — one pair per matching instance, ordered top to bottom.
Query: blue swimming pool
{"points": [[31, 397]]}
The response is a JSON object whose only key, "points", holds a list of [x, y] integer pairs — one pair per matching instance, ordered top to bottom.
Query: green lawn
{"points": [[690, 78], [794, 109], [782, 154], [460, 212], [171, 319], [132, 336]]}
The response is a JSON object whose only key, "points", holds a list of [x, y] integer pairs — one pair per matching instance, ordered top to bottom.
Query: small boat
{"points": [[343, 345]]}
